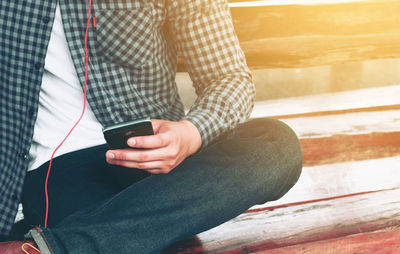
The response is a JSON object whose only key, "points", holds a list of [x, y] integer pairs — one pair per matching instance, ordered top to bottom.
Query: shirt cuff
{"points": [[209, 126]]}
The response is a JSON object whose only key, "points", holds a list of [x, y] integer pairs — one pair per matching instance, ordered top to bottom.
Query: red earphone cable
{"points": [[83, 112]]}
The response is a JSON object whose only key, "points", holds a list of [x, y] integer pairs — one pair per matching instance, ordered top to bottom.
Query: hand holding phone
{"points": [[117, 135]]}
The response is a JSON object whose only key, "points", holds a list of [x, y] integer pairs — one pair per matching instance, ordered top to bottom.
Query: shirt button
{"points": [[46, 20], [24, 156]]}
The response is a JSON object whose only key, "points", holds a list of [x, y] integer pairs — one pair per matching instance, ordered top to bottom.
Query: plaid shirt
{"points": [[133, 55]]}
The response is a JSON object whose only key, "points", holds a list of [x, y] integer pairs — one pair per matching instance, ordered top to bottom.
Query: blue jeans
{"points": [[100, 208]]}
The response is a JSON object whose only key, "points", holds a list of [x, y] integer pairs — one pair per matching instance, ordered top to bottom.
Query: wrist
{"points": [[194, 137]]}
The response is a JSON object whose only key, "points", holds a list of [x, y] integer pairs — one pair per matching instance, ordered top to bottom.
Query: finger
{"points": [[149, 142], [137, 155], [139, 165], [157, 171]]}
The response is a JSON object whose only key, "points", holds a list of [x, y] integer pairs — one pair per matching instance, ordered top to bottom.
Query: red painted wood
{"points": [[345, 124], [337, 148], [343, 148], [338, 180], [310, 201], [340, 211], [368, 218], [305, 223], [385, 241]]}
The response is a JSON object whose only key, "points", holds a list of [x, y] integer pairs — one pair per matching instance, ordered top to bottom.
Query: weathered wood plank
{"points": [[256, 3], [287, 18], [273, 19], [281, 19], [310, 32], [316, 50], [330, 103], [345, 124], [342, 148], [341, 179], [252, 232], [379, 242]]}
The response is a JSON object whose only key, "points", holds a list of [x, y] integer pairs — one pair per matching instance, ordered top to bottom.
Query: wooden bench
{"points": [[349, 189], [347, 198]]}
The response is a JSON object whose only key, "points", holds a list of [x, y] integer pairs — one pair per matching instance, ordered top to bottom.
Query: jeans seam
{"points": [[44, 237]]}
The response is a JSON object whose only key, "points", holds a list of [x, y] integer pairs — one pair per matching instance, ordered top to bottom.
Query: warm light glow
{"points": [[290, 2]]}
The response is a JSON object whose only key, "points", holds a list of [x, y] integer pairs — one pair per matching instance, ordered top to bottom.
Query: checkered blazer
{"points": [[133, 55]]}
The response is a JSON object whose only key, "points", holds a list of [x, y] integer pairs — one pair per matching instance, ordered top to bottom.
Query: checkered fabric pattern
{"points": [[133, 53]]}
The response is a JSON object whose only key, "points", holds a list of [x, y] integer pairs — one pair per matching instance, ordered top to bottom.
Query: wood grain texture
{"points": [[255, 3], [310, 33], [316, 50], [329, 103], [340, 125], [341, 148], [338, 180], [319, 185], [260, 231], [385, 241]]}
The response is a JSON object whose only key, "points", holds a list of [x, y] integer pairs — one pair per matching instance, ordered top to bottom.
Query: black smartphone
{"points": [[117, 135]]}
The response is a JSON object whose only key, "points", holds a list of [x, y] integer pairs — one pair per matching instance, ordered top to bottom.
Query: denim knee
{"points": [[281, 158]]}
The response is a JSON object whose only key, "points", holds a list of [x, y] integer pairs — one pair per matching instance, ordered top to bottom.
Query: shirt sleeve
{"points": [[205, 38]]}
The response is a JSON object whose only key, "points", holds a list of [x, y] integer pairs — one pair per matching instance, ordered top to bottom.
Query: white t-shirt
{"points": [[60, 105]]}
